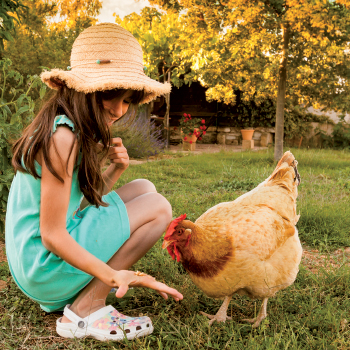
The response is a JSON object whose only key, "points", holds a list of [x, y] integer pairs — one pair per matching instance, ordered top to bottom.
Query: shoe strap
{"points": [[84, 322]]}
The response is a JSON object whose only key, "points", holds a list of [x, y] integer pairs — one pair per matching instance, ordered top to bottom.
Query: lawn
{"points": [[311, 314]]}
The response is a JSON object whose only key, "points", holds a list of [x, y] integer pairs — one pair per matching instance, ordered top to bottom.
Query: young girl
{"points": [[68, 238]]}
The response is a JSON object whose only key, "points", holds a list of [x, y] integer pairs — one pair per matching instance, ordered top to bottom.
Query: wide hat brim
{"points": [[104, 57], [102, 79]]}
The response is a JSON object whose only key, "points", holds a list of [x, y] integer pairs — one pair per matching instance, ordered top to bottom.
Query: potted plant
{"points": [[247, 119], [191, 130], [247, 132]]}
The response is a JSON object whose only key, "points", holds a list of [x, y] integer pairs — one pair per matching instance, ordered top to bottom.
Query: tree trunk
{"points": [[281, 94], [166, 116]]}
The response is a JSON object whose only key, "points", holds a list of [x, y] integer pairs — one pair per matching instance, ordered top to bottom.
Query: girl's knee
{"points": [[146, 186], [164, 208]]}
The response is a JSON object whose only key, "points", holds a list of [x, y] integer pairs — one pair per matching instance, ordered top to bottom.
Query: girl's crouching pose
{"points": [[68, 238]]}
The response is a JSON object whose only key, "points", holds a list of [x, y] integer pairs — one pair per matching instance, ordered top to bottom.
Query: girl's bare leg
{"points": [[149, 214]]}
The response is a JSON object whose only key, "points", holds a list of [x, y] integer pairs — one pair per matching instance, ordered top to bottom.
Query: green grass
{"points": [[308, 315]]}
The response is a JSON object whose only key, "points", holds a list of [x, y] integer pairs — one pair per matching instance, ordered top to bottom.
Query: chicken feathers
{"points": [[249, 246]]}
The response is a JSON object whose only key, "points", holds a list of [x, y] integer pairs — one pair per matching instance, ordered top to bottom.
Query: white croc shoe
{"points": [[104, 324]]}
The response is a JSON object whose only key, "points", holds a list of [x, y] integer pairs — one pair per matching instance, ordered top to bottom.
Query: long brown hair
{"points": [[86, 112]]}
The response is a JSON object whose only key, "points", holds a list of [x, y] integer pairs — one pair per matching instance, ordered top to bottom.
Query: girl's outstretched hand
{"points": [[117, 154], [125, 279]]}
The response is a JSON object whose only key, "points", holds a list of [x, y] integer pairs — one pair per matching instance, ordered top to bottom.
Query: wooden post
{"points": [[281, 94], [166, 117]]}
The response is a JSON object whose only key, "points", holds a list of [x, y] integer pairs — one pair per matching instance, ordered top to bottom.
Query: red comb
{"points": [[173, 224]]}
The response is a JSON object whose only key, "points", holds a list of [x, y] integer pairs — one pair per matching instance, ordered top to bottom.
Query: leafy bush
{"points": [[17, 109], [249, 114], [340, 137], [142, 138]]}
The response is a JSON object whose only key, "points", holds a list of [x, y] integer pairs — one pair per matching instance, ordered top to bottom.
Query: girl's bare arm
{"points": [[119, 159], [54, 205]]}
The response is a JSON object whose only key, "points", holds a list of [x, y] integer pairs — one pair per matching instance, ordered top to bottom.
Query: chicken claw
{"points": [[221, 315], [261, 316], [217, 317]]}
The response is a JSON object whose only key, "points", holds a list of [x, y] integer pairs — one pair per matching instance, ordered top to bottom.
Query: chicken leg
{"points": [[221, 315], [262, 315]]}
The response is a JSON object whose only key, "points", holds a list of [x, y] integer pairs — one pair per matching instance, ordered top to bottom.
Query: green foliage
{"points": [[7, 21], [46, 32], [165, 44], [17, 109], [250, 114], [298, 123], [340, 137]]}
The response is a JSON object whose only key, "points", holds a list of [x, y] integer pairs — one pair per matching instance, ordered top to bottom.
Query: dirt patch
{"points": [[2, 252], [313, 260], [3, 284]]}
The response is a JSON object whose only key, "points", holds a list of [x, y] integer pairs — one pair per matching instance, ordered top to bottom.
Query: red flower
{"points": [[185, 115], [189, 116], [186, 120], [203, 121], [200, 127], [204, 127], [204, 132], [190, 134], [185, 138], [199, 138], [190, 141]]}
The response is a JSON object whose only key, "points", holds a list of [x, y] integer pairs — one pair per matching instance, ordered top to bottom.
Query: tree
{"points": [[7, 21], [164, 41], [43, 42], [263, 44], [165, 46]]}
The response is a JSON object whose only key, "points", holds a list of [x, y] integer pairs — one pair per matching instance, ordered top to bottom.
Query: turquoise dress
{"points": [[40, 274]]}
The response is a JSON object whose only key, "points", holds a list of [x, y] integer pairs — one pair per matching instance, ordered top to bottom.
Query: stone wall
{"points": [[230, 136], [263, 137]]}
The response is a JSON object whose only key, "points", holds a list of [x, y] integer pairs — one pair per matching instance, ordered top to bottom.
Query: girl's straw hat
{"points": [[105, 57]]}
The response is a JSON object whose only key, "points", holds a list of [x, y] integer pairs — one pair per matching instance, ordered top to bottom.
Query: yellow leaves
{"points": [[266, 73]]}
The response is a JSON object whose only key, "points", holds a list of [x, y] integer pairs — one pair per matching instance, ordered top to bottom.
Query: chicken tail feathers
{"points": [[283, 165]]}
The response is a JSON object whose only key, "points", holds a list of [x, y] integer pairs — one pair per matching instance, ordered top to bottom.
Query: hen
{"points": [[249, 246]]}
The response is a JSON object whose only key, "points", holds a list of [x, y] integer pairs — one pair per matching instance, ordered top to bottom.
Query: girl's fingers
{"points": [[117, 141], [117, 150], [118, 155], [128, 278], [162, 288], [121, 291], [164, 295]]}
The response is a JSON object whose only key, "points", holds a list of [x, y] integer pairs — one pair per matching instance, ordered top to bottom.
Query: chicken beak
{"points": [[166, 244]]}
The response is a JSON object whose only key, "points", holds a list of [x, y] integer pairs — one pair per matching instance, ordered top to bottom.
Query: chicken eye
{"points": [[180, 231]]}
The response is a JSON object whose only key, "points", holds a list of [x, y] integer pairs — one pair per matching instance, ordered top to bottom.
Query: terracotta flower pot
{"points": [[247, 134], [192, 138], [187, 145]]}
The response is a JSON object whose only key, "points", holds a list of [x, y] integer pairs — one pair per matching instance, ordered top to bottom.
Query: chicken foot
{"points": [[221, 315], [262, 315]]}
